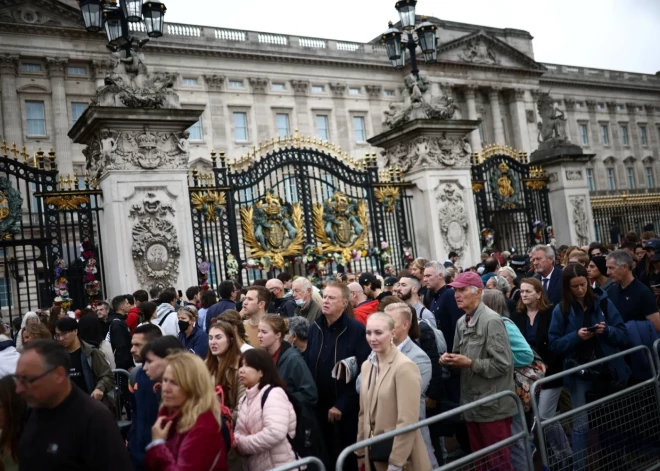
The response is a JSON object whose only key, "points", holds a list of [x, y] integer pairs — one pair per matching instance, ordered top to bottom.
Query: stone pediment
{"points": [[40, 13], [482, 49]]}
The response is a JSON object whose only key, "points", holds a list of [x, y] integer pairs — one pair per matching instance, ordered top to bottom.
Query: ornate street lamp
{"points": [[114, 17], [424, 35]]}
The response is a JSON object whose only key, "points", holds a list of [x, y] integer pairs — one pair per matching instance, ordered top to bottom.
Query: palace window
{"points": [[32, 68], [76, 70], [189, 81], [235, 84], [278, 86], [318, 89], [353, 91], [389, 92], [77, 109], [36, 118], [282, 123], [240, 126], [358, 129], [322, 130], [196, 131], [584, 135], [624, 135], [604, 136], [642, 136], [630, 175], [649, 177], [590, 179], [611, 183], [290, 190], [5, 283]]}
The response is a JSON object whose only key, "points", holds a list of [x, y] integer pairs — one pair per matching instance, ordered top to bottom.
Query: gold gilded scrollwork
{"points": [[388, 197], [67, 202], [209, 203], [4, 206], [341, 225], [267, 228]]}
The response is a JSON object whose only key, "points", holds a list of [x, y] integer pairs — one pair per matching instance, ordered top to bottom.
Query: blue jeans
{"points": [[579, 390]]}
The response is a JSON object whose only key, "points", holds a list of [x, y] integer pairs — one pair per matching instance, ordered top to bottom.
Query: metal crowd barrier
{"points": [[656, 356], [122, 378], [622, 428], [477, 460], [318, 465]]}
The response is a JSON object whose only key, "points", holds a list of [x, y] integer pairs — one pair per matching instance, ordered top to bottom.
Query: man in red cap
{"points": [[483, 353]]}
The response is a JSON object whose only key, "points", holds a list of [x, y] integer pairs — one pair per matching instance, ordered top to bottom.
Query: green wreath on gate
{"points": [[10, 209]]}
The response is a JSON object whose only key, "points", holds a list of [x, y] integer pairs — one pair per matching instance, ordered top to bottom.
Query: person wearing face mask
{"points": [[305, 305], [191, 336], [290, 364], [389, 382], [188, 433]]}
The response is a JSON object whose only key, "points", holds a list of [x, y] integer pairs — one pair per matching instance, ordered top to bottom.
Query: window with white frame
{"points": [[30, 67], [76, 70], [191, 81], [235, 84], [277, 86], [318, 89], [353, 91], [389, 92], [579, 104], [77, 109], [36, 118], [282, 124], [240, 126], [322, 129], [358, 129], [196, 131], [481, 131], [584, 134], [624, 134], [604, 135], [642, 136], [630, 176], [649, 177], [590, 179], [611, 182], [290, 190], [245, 196], [5, 283]]}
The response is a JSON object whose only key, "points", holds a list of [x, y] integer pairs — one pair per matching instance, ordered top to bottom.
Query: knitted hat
{"points": [[600, 263]]}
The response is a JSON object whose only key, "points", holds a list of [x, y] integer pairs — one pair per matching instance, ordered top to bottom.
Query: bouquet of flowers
{"points": [[232, 266], [203, 268]]}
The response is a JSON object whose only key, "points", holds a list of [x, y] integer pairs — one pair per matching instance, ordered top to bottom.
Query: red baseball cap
{"points": [[467, 278]]}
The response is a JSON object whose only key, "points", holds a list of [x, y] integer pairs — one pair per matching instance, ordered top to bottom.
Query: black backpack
{"points": [[309, 439]]}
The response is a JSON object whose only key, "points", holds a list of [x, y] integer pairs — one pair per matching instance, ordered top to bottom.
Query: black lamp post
{"points": [[114, 17], [425, 32]]}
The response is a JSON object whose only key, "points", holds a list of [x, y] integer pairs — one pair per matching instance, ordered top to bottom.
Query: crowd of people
{"points": [[249, 378]]}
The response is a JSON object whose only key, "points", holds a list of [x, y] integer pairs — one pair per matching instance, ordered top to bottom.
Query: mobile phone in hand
{"points": [[592, 328]]}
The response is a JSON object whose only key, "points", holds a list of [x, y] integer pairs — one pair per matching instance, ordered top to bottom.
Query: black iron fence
{"points": [[616, 215]]}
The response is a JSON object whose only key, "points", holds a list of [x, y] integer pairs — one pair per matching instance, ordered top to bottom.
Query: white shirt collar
{"points": [[550, 275], [403, 344]]}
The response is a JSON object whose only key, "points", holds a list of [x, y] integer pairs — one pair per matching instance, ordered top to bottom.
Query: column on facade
{"points": [[100, 69], [215, 86], [300, 90], [470, 99], [10, 103], [375, 107], [262, 113], [519, 120], [61, 124], [498, 128], [572, 130], [345, 133], [593, 139], [635, 145], [653, 155]]}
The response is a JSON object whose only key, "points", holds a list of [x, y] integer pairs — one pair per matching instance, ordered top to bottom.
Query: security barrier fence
{"points": [[617, 429], [492, 457], [309, 464]]}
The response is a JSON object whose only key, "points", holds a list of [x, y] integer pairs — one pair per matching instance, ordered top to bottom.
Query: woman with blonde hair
{"points": [[29, 318], [223, 362], [389, 381], [188, 431]]}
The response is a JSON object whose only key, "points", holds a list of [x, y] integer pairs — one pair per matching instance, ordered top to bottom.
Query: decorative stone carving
{"points": [[27, 15], [478, 51], [8, 64], [56, 66], [102, 68], [215, 83], [259, 84], [130, 85], [300, 87], [338, 89], [374, 91], [536, 93], [519, 94], [570, 104], [591, 104], [416, 106], [611, 106], [631, 107], [649, 108], [529, 114], [552, 126], [139, 150], [427, 151], [574, 175], [553, 178], [580, 221], [454, 222], [155, 248]]}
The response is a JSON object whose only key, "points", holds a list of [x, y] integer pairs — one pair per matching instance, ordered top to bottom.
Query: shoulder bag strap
{"points": [[160, 324]]}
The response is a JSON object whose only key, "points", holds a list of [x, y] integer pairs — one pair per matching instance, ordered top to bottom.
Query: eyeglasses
{"points": [[61, 335], [30, 380]]}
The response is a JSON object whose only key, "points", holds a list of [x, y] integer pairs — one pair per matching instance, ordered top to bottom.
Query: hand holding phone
{"points": [[593, 328]]}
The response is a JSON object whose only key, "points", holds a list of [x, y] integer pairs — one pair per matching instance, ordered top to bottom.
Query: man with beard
{"points": [[409, 287]]}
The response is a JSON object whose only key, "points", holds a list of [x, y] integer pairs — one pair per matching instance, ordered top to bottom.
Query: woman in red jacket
{"points": [[188, 433]]}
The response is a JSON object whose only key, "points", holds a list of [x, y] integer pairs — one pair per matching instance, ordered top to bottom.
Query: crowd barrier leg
{"points": [[609, 428], [484, 459], [309, 464]]}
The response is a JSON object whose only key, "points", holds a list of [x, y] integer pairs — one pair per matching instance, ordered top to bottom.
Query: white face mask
{"points": [[300, 302]]}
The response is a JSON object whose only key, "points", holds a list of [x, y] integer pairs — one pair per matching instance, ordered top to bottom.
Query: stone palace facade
{"points": [[252, 86]]}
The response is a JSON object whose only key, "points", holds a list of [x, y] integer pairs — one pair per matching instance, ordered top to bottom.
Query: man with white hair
{"points": [[543, 260], [301, 289], [441, 301], [285, 306], [402, 316]]}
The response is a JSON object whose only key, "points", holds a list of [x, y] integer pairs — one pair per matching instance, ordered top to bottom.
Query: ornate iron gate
{"points": [[511, 199], [300, 206], [44, 223]]}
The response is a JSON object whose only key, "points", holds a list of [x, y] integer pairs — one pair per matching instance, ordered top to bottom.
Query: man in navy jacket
{"points": [[550, 275], [225, 290], [334, 337]]}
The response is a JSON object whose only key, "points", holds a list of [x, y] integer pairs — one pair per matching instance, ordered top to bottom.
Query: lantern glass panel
{"points": [[132, 10], [92, 12], [407, 16], [154, 18], [113, 30], [426, 40], [393, 46], [431, 57], [399, 63]]}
